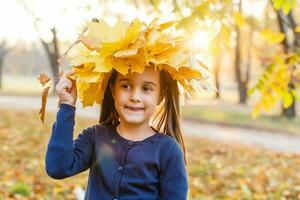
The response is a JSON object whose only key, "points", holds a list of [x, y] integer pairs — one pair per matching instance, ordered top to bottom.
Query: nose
{"points": [[135, 95]]}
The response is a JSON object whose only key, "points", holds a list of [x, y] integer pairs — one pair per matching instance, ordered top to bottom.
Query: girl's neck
{"points": [[134, 132]]}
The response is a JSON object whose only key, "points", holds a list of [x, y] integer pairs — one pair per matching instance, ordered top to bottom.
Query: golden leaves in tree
{"points": [[239, 19], [272, 37], [274, 83]]}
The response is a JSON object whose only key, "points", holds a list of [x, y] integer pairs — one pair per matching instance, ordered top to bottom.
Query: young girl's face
{"points": [[136, 96]]}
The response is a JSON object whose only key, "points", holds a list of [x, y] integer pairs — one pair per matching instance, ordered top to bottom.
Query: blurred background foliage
{"points": [[250, 46]]}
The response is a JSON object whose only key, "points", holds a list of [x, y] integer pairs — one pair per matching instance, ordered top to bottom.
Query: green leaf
{"points": [[251, 90], [21, 189]]}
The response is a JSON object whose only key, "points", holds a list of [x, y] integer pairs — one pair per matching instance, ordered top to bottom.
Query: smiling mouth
{"points": [[134, 108]]}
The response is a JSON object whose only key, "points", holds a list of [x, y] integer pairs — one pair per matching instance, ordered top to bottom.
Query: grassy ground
{"points": [[234, 115], [216, 171]]}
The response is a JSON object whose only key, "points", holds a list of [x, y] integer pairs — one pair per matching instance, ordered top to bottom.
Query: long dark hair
{"points": [[168, 115]]}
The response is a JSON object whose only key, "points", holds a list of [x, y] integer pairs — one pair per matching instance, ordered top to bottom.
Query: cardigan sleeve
{"points": [[65, 157], [173, 176]]}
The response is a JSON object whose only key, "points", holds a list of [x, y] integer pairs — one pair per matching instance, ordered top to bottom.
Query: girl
{"points": [[128, 158]]}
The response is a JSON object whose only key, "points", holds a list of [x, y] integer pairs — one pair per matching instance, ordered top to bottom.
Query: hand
{"points": [[66, 89]]}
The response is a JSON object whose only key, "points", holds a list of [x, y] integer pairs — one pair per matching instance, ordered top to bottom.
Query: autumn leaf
{"points": [[285, 5], [239, 19], [272, 37], [127, 48], [125, 53], [44, 78], [287, 99], [44, 101], [214, 168]]}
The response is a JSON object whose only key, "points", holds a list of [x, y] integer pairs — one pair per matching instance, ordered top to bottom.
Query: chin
{"points": [[134, 121]]}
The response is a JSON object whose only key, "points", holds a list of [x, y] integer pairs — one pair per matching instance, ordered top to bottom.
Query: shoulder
{"points": [[96, 128], [100, 128], [103, 131], [95, 132], [167, 140], [169, 146], [171, 156]]}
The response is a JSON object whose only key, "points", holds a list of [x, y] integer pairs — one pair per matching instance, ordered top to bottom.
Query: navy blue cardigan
{"points": [[119, 168]]}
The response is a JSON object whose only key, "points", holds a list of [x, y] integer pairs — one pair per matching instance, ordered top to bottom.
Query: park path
{"points": [[281, 142]]}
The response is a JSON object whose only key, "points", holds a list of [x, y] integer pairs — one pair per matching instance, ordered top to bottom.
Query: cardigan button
{"points": [[130, 143], [120, 168]]}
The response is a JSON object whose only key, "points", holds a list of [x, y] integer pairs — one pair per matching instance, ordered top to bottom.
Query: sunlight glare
{"points": [[200, 40]]}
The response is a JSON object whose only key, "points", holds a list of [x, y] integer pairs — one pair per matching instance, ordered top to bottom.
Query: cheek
{"points": [[119, 97], [152, 100]]}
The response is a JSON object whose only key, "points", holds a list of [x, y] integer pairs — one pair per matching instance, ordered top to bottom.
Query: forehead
{"points": [[149, 74]]}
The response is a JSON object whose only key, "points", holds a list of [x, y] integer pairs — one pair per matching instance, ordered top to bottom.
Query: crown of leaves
{"points": [[128, 48]]}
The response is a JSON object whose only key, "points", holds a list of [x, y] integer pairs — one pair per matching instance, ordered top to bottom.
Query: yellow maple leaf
{"points": [[239, 19], [271, 36], [128, 48], [189, 73], [102, 87]]}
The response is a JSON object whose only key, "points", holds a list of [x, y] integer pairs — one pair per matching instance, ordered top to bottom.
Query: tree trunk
{"points": [[293, 26], [51, 48], [4, 50], [53, 55], [1, 70], [217, 72], [244, 85], [242, 89], [289, 112]]}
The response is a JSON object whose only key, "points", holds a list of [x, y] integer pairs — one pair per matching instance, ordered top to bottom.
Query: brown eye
{"points": [[125, 86], [147, 89]]}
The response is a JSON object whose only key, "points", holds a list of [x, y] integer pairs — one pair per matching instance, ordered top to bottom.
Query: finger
{"points": [[61, 73], [69, 73], [66, 79], [64, 84], [69, 85]]}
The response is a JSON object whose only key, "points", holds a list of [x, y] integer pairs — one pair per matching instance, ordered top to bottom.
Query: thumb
{"points": [[69, 74], [74, 87]]}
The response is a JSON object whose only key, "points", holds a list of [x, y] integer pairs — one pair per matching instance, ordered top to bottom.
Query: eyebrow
{"points": [[147, 82]]}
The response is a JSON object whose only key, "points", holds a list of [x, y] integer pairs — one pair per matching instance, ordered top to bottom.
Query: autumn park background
{"points": [[243, 142]]}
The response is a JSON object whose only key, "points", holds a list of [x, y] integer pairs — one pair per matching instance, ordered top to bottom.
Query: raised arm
{"points": [[65, 157], [173, 176]]}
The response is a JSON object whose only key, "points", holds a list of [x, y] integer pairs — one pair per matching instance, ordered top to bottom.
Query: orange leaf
{"points": [[43, 78], [44, 100]]}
